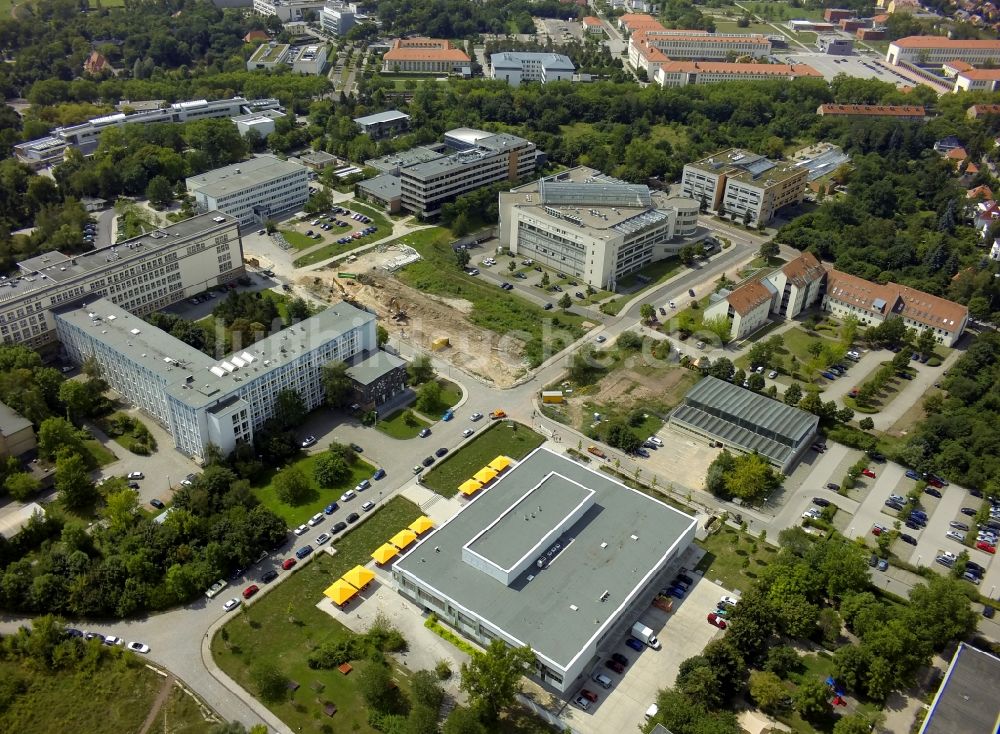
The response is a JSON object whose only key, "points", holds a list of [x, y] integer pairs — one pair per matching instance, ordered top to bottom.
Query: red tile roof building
{"points": [[936, 50], [424, 54], [96, 63], [683, 73], [978, 110], [900, 112]]}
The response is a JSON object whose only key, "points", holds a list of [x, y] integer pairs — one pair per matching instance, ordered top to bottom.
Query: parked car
{"points": [[475, 417], [424, 432], [467, 432], [308, 441], [441, 452], [428, 460], [868, 473], [379, 474], [912, 474], [132, 475], [833, 487], [932, 492], [348, 496], [821, 502], [158, 504], [368, 506], [330, 508], [968, 511], [353, 518], [316, 519], [339, 526], [301, 529], [322, 538], [907, 538], [986, 546], [303, 552], [883, 564], [269, 576], [250, 591], [728, 601], [231, 604], [716, 621], [635, 644], [137, 647], [619, 658], [615, 666], [602, 680]]}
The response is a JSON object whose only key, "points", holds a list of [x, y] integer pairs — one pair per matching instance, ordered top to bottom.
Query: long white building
{"points": [[938, 50], [515, 67], [252, 191], [594, 227], [142, 274], [201, 400]]}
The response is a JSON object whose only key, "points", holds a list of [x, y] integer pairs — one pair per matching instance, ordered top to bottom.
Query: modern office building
{"points": [[289, 11], [337, 20], [835, 45], [936, 50], [435, 55], [309, 59], [515, 67], [684, 73], [260, 122], [383, 124], [85, 136], [741, 182], [252, 191], [594, 227], [142, 274], [377, 378], [201, 400], [746, 421], [17, 435], [554, 555], [966, 701]]}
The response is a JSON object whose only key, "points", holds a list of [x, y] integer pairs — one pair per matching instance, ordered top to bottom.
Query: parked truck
{"points": [[497, 414], [645, 634]]}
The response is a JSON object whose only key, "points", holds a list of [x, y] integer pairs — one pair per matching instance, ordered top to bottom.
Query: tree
{"points": [[159, 192], [769, 249], [462, 258], [545, 279], [565, 302], [647, 312], [720, 327], [381, 336], [629, 341], [926, 342], [722, 368], [420, 369], [756, 381], [338, 385], [793, 394], [429, 397], [78, 399], [289, 409], [845, 415], [866, 424], [56, 434], [619, 435], [331, 470], [751, 477], [72, 480], [21, 486], [292, 486], [120, 509], [829, 624], [781, 660], [850, 665], [492, 678], [698, 681], [271, 683], [375, 684], [426, 690], [767, 691], [811, 699], [422, 720], [463, 721], [853, 724]]}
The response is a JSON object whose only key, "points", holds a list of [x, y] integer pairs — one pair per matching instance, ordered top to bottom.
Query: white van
{"points": [[652, 711]]}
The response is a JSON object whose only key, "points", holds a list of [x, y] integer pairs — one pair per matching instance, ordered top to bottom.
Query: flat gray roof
{"points": [[513, 59], [387, 116], [485, 147], [406, 158], [239, 176], [385, 186], [372, 367], [191, 376], [748, 419], [11, 421], [13, 519], [616, 546], [966, 702]]}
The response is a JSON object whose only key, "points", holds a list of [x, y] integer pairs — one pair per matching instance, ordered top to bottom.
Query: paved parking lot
{"points": [[856, 66], [682, 458], [683, 634]]}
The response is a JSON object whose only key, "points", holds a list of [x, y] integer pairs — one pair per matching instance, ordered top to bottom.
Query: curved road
{"points": [[176, 637]]}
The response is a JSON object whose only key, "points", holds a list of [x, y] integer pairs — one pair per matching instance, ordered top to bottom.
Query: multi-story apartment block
{"points": [[336, 20], [936, 50], [434, 55], [516, 67], [683, 73], [977, 80], [86, 135], [485, 159], [742, 182], [252, 191], [594, 227], [142, 274], [201, 400]]}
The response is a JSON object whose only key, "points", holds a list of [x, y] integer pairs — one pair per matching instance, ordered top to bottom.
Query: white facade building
{"points": [[288, 11], [336, 20], [938, 50], [515, 67], [262, 122], [252, 191], [594, 227], [142, 274], [201, 400]]}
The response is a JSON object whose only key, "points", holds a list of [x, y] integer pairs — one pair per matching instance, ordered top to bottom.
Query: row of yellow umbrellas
{"points": [[485, 475], [401, 540], [348, 585]]}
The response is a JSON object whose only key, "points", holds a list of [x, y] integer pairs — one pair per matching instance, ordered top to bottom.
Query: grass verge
{"points": [[298, 240], [403, 424], [497, 439], [100, 455], [319, 498], [733, 558], [283, 626]]}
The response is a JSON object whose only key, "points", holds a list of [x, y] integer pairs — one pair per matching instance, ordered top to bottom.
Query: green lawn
{"points": [[731, 26], [376, 215], [298, 240], [438, 273], [657, 273], [451, 393], [396, 426], [494, 440], [101, 455], [295, 515], [730, 559], [284, 625], [113, 698], [180, 714]]}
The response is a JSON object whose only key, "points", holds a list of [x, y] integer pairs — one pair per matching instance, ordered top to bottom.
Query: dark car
{"points": [[691, 292], [547, 307], [355, 447], [441, 452], [876, 456], [428, 460], [379, 474], [912, 474], [832, 486], [932, 492], [975, 492], [821, 502], [158, 504], [968, 511], [353, 517], [912, 525], [337, 527], [906, 538], [303, 552], [975, 567], [269, 576], [685, 578], [988, 611], [71, 632], [634, 644], [619, 658], [615, 666]]}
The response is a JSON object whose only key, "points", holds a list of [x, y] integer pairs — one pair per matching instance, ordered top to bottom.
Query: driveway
{"points": [[890, 479]]}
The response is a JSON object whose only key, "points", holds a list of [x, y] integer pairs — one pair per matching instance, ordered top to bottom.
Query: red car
{"points": [[868, 473], [935, 483], [878, 530], [988, 547], [288, 563], [250, 591], [716, 620], [589, 695]]}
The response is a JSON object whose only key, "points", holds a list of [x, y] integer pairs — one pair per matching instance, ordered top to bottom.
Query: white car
{"points": [[673, 305], [601, 339], [760, 370], [772, 374], [475, 416], [467, 432], [655, 439], [308, 441], [136, 475], [186, 483], [347, 496], [368, 506], [811, 514], [316, 519], [301, 529], [955, 535], [322, 538], [728, 601], [231, 604], [112, 640], [138, 647], [582, 702]]}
